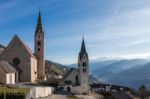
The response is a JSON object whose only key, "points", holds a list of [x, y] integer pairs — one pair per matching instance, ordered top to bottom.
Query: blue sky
{"points": [[112, 28]]}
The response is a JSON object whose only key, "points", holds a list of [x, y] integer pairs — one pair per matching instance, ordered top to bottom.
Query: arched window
{"points": [[39, 43], [38, 49], [16, 61], [84, 64], [84, 70], [77, 80]]}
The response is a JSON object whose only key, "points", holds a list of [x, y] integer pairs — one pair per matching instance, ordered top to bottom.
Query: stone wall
{"points": [[75, 89]]}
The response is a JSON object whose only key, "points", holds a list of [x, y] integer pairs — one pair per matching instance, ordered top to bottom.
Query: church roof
{"points": [[39, 27], [23, 44], [1, 46], [83, 49], [7, 67], [69, 72]]}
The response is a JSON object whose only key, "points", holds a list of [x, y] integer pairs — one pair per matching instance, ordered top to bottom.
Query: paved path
{"points": [[58, 95], [62, 95], [55, 96], [87, 97]]}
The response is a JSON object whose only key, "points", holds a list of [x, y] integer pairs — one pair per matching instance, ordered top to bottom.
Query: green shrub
{"points": [[13, 93]]}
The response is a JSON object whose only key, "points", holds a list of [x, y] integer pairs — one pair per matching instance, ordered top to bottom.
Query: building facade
{"points": [[39, 48], [18, 54], [29, 66], [83, 66], [77, 80]]}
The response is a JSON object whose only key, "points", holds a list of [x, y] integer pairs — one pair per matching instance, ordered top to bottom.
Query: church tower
{"points": [[39, 48], [83, 65]]}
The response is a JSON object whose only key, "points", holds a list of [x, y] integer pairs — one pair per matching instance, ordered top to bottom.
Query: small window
{"points": [[38, 36], [39, 43], [38, 49], [84, 64], [84, 70], [35, 72]]}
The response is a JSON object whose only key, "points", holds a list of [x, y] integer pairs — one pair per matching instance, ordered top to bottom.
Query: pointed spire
{"points": [[39, 23], [39, 27], [83, 49]]}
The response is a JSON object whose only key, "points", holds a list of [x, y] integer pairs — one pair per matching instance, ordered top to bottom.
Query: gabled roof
{"points": [[23, 44], [2, 46], [7, 67], [69, 72]]}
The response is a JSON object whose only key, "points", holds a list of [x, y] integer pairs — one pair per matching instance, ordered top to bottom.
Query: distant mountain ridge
{"points": [[117, 71], [105, 72], [126, 72], [133, 77]]}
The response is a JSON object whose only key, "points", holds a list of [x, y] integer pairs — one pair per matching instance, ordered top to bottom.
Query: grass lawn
{"points": [[14, 90]]}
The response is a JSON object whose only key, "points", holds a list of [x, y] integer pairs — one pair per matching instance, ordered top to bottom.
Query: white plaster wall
{"points": [[33, 69], [83, 76], [72, 77], [10, 80], [37, 92]]}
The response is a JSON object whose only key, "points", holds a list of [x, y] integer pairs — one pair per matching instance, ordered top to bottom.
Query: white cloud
{"points": [[134, 43], [127, 56], [135, 56]]}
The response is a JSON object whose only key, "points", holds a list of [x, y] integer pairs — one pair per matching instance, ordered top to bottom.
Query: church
{"points": [[19, 64], [77, 80]]}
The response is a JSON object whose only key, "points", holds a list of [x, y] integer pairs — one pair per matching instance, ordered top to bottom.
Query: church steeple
{"points": [[39, 27], [39, 48], [83, 49], [83, 67]]}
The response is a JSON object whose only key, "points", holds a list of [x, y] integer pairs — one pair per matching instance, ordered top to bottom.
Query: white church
{"points": [[19, 64], [77, 80]]}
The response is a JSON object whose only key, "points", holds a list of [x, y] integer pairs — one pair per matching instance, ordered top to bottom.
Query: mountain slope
{"points": [[94, 65], [54, 67], [107, 71], [132, 73], [133, 77]]}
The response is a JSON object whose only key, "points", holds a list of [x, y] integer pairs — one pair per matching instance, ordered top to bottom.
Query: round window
{"points": [[16, 61]]}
